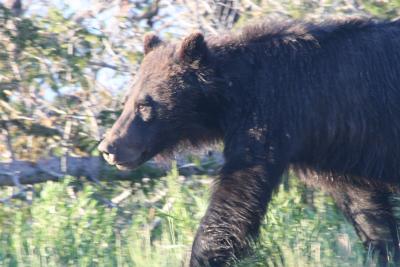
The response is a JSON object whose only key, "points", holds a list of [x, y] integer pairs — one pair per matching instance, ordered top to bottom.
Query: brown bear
{"points": [[321, 98]]}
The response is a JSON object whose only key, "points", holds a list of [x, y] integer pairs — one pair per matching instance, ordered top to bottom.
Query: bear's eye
{"points": [[140, 107], [144, 111]]}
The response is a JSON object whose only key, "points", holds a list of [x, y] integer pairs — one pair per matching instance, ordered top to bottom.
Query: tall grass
{"points": [[71, 224]]}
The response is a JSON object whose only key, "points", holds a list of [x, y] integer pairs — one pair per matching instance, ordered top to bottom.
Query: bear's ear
{"points": [[150, 42], [193, 48]]}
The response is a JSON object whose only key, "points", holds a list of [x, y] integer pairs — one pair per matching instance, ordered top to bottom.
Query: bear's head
{"points": [[169, 103]]}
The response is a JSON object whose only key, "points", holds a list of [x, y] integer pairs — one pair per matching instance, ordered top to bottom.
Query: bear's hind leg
{"points": [[370, 211]]}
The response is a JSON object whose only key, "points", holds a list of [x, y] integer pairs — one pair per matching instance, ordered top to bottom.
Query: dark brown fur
{"points": [[321, 97]]}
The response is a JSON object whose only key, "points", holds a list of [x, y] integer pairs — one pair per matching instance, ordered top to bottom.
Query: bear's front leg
{"points": [[233, 218]]}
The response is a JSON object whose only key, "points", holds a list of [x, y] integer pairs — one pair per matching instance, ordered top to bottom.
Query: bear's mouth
{"points": [[129, 164], [125, 166]]}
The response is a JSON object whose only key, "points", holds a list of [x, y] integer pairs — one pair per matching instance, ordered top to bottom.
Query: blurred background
{"points": [[64, 69]]}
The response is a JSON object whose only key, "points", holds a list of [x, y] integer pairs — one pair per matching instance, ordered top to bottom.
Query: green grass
{"points": [[70, 224]]}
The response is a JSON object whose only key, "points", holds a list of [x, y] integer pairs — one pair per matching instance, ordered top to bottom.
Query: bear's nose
{"points": [[106, 147]]}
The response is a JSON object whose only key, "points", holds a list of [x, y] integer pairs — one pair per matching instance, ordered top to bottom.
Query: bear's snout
{"points": [[108, 150], [122, 156]]}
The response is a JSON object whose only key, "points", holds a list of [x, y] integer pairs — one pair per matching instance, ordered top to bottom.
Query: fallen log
{"points": [[20, 172]]}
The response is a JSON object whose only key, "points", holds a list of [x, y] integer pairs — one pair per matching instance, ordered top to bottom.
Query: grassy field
{"points": [[74, 223]]}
